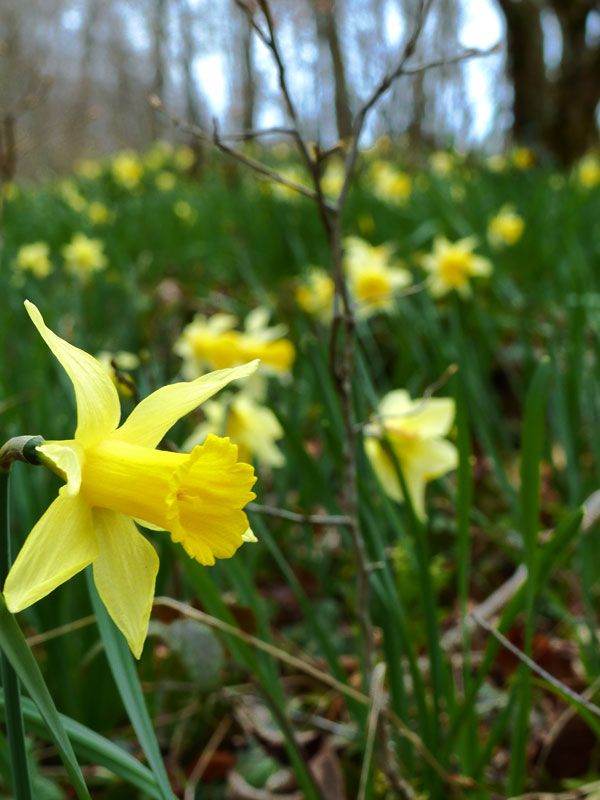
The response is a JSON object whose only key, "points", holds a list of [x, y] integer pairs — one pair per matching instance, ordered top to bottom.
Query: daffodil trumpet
{"points": [[114, 476]]}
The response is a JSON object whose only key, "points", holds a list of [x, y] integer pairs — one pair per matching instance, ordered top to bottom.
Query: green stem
{"points": [[10, 682]]}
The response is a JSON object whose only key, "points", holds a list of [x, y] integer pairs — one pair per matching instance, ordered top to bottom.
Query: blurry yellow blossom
{"points": [[281, 150], [158, 155], [184, 158], [522, 158], [441, 162], [496, 162], [88, 168], [127, 169], [588, 171], [294, 175], [332, 179], [165, 181], [389, 184], [8, 190], [458, 192], [72, 196], [184, 212], [98, 213], [366, 224], [506, 227], [84, 255], [35, 258], [451, 264], [373, 277], [315, 294], [214, 342], [118, 365], [253, 427], [414, 431], [115, 476]]}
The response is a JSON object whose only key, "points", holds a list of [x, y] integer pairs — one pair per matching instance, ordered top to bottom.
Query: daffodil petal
{"points": [[396, 403], [98, 408], [157, 413], [430, 417], [433, 458], [65, 459], [384, 469], [61, 544], [125, 574]]}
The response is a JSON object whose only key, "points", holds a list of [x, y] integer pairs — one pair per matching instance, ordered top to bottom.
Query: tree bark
{"points": [[328, 33]]}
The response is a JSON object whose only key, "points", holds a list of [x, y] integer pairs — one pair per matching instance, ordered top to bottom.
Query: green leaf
{"points": [[17, 651], [123, 670], [93, 748]]}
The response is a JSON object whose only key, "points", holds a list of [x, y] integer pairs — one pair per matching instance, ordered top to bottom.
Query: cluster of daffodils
{"points": [[82, 257], [451, 265], [374, 279], [216, 342], [408, 437], [114, 477]]}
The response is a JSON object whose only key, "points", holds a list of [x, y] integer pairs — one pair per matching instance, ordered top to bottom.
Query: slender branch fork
{"points": [[343, 329]]}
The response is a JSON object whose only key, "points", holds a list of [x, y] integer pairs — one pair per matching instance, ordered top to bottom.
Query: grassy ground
{"points": [[520, 358]]}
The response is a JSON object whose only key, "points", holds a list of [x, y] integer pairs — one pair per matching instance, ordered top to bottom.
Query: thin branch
{"points": [[215, 139], [301, 519], [305, 666], [560, 687], [377, 703]]}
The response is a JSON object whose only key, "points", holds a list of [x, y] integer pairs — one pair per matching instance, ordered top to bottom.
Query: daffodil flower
{"points": [[414, 430], [114, 475]]}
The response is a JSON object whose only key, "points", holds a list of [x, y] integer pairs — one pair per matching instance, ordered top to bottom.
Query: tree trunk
{"points": [[327, 32], [556, 111]]}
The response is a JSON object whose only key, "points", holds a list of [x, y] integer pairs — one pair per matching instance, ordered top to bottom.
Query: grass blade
{"points": [[123, 670]]}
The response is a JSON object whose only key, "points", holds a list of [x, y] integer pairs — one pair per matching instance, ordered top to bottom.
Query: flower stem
{"points": [[10, 682]]}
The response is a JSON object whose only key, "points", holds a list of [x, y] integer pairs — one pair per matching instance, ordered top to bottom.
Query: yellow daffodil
{"points": [[158, 155], [184, 158], [522, 158], [496, 162], [441, 163], [88, 168], [127, 169], [588, 172], [294, 175], [333, 178], [165, 181], [389, 184], [8, 190], [73, 197], [184, 212], [98, 213], [506, 228], [83, 256], [35, 258], [452, 264], [373, 277], [315, 294], [214, 343], [118, 365], [253, 427], [415, 431], [114, 475]]}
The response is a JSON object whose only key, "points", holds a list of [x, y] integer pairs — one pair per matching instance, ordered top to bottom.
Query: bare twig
{"points": [[215, 139], [302, 519], [305, 666], [560, 687], [377, 703], [204, 760]]}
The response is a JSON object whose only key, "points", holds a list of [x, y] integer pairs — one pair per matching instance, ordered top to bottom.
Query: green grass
{"points": [[527, 437]]}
